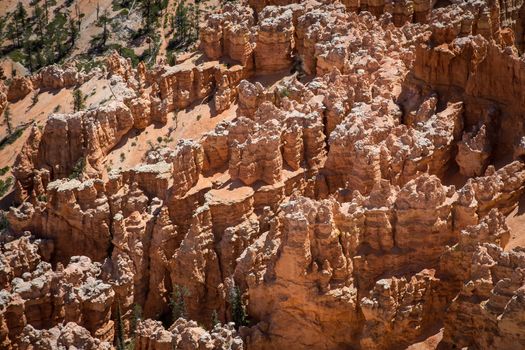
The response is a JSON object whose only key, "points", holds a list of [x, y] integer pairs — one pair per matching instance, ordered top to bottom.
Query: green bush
{"points": [[8, 140], [78, 169], [4, 170], [5, 185], [4, 224]]}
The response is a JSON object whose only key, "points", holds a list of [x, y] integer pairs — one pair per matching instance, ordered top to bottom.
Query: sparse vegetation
{"points": [[185, 25], [39, 39], [98, 42], [87, 65], [284, 92], [34, 98], [79, 100], [7, 120], [10, 139], [78, 169], [4, 170], [5, 185], [4, 224], [177, 302], [238, 310], [135, 318], [214, 318], [119, 329]]}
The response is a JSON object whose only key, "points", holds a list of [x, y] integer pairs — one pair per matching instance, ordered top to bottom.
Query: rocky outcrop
{"points": [[229, 34], [273, 50], [55, 77], [19, 88], [484, 103], [474, 152], [348, 197], [314, 273], [36, 296], [489, 302], [393, 305], [151, 335], [62, 337]]}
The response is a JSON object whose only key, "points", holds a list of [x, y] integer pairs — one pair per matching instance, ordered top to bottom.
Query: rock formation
{"points": [[356, 184]]}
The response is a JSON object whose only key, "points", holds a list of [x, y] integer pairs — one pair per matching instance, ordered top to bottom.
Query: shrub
{"points": [[34, 98], [10, 139], [78, 169], [4, 170], [5, 185], [4, 224]]}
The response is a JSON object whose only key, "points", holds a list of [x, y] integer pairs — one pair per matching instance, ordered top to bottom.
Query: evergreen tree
{"points": [[47, 4], [147, 14], [78, 15], [39, 18], [196, 19], [103, 22], [182, 23], [3, 25], [15, 28], [73, 30], [28, 49], [78, 100], [7, 120], [177, 302], [238, 310], [137, 315], [214, 318], [119, 329]]}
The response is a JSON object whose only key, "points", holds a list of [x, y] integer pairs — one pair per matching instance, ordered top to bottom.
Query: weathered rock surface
{"points": [[353, 187], [151, 335]]}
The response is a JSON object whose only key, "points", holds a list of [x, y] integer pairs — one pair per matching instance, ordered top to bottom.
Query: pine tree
{"points": [[47, 3], [38, 15], [147, 15], [79, 16], [196, 19], [19, 21], [103, 22], [182, 23], [73, 30], [28, 49], [78, 100], [7, 120], [177, 302], [238, 310], [137, 315], [214, 318], [119, 329]]}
